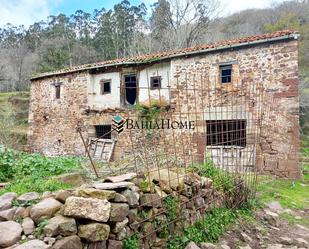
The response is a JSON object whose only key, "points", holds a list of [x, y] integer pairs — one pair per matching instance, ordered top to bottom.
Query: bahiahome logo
{"points": [[119, 123]]}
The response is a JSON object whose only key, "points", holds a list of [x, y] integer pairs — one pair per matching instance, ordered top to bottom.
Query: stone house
{"points": [[239, 97]]}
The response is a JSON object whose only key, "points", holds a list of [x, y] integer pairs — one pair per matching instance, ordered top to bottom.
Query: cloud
{"points": [[23, 12]]}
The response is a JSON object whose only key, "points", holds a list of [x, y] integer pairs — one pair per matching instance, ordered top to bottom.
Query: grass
{"points": [[32, 172], [290, 194]]}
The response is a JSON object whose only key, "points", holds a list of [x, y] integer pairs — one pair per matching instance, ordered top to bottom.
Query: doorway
{"points": [[130, 84]]}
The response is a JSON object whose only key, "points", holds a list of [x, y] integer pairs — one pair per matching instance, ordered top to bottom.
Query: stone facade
{"points": [[263, 91]]}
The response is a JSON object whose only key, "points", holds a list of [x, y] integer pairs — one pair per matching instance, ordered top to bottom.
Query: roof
{"points": [[147, 58]]}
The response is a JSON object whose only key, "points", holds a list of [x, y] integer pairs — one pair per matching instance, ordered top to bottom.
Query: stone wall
{"points": [[102, 215]]}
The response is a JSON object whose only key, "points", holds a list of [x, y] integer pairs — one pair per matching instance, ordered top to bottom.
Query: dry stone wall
{"points": [[104, 214]]}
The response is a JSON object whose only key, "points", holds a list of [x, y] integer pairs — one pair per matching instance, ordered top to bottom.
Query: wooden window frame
{"points": [[224, 67], [159, 78], [102, 82]]}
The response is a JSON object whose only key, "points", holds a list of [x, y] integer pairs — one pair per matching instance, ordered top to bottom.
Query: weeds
{"points": [[30, 172], [171, 204], [40, 228], [208, 229], [131, 242]]}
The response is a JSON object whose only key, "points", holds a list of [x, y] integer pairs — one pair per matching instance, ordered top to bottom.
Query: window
{"points": [[226, 73], [155, 82], [105, 86], [57, 90], [103, 131], [226, 132]]}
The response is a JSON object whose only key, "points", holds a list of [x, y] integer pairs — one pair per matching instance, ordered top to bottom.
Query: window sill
{"points": [[225, 147]]}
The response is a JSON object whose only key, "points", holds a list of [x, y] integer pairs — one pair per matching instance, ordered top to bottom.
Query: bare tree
{"points": [[181, 23]]}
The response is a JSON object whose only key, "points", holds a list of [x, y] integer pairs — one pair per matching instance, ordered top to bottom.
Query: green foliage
{"points": [[150, 112], [30, 172], [221, 179], [29, 184], [16, 203], [171, 205], [19, 219], [161, 227], [40, 228], [208, 229], [131, 242]]}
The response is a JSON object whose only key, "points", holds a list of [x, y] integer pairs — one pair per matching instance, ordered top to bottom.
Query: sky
{"points": [[26, 12]]}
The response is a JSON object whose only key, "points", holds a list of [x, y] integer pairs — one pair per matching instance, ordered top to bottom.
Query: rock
{"points": [[167, 176], [121, 178], [75, 179], [192, 179], [206, 182], [112, 185], [160, 192], [96, 193], [47, 194], [62, 195], [31, 196], [132, 197], [120, 198], [6, 200], [151, 200], [199, 202], [275, 206], [87, 208], [45, 209], [119, 211], [21, 212], [7, 214], [272, 218], [28, 225], [60, 225], [120, 225], [94, 232], [10, 233], [122, 234], [31, 236], [245, 237], [49, 241], [285, 241], [71, 242], [300, 242], [33, 244], [114, 244], [97, 245], [192, 245], [207, 246], [224, 247], [245, 247]]}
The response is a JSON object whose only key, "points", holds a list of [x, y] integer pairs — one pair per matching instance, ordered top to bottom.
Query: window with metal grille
{"points": [[226, 73], [155, 82], [105, 86], [57, 91], [103, 131], [226, 132]]}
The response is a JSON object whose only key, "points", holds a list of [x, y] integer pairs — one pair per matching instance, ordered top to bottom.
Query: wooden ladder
{"points": [[102, 149]]}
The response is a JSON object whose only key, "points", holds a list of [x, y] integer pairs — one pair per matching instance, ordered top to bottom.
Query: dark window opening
{"points": [[226, 73], [155, 82], [130, 83], [105, 87], [58, 89], [103, 131], [226, 132]]}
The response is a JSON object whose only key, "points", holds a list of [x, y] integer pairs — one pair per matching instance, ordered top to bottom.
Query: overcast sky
{"points": [[26, 12]]}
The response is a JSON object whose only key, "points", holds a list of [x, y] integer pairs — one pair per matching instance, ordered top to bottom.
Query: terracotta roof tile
{"points": [[173, 53]]}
